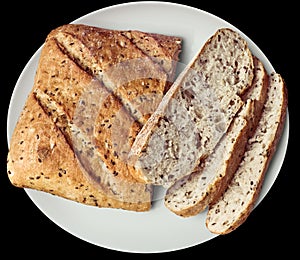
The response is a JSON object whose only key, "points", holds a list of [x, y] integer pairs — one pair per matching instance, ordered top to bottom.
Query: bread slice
{"points": [[258, 90], [196, 111], [86, 129], [193, 193], [235, 205]]}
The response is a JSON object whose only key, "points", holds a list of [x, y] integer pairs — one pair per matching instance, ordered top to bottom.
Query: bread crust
{"points": [[163, 49], [125, 68], [40, 158]]}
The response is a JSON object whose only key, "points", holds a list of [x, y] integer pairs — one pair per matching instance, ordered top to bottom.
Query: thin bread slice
{"points": [[258, 90], [195, 112], [191, 194], [237, 202]]}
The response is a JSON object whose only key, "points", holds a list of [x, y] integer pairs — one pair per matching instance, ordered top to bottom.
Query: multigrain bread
{"points": [[163, 49], [127, 67], [83, 109], [196, 111], [86, 113], [75, 130], [40, 158], [192, 194], [232, 209]]}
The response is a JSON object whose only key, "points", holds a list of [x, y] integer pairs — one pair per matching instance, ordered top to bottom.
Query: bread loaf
{"points": [[196, 111], [75, 131], [193, 193], [231, 209]]}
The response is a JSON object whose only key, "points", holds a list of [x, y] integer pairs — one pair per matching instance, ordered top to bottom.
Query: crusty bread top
{"points": [[163, 49], [124, 67], [70, 95], [78, 105], [195, 112], [40, 158]]}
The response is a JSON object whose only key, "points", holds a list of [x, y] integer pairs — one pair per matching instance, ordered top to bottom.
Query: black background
{"points": [[271, 229]]}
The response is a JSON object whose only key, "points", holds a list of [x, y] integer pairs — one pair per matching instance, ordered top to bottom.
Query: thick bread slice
{"points": [[123, 67], [196, 111], [40, 158], [193, 193], [235, 205]]}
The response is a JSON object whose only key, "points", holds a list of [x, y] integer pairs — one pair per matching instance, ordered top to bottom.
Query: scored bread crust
{"points": [[163, 49], [124, 67], [73, 98], [197, 109], [85, 114], [40, 158], [191, 194], [237, 202]]}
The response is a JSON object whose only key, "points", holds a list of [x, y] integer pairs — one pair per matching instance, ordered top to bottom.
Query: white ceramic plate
{"points": [[158, 230]]}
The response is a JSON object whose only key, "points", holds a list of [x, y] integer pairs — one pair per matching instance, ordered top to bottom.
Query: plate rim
{"points": [[31, 193]]}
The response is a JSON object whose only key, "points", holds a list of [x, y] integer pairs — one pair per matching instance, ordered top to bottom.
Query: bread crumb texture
{"points": [[196, 112], [237, 202]]}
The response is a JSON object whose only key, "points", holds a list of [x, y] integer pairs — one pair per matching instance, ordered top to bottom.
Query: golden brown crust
{"points": [[163, 49], [123, 67], [57, 75], [63, 90], [114, 132], [40, 158]]}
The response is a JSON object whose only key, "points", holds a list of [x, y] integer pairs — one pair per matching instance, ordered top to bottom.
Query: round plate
{"points": [[158, 230]]}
